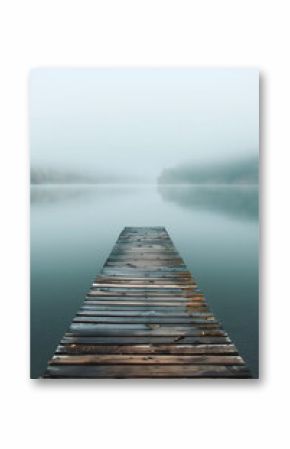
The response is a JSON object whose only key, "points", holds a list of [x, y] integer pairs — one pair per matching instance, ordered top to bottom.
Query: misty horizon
{"points": [[131, 124], [243, 171]]}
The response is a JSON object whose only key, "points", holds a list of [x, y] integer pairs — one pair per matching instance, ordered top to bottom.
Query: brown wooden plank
{"points": [[144, 280], [144, 291], [144, 295], [149, 299], [150, 304], [81, 318], [206, 349], [119, 359], [147, 371]]}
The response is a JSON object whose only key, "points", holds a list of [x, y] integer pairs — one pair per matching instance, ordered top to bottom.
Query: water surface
{"points": [[73, 229]]}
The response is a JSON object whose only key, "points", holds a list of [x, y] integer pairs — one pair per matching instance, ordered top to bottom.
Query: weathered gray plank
{"points": [[156, 274], [143, 280], [143, 285], [143, 295], [150, 304], [94, 306], [94, 311], [145, 330], [152, 339]]}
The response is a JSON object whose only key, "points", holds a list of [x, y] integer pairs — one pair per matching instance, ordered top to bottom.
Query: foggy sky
{"points": [[140, 121]]}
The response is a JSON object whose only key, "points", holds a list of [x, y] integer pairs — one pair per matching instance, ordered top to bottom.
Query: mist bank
{"points": [[244, 171], [39, 175]]}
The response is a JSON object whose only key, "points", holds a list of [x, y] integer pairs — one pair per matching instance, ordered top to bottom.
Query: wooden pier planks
{"points": [[144, 317]]}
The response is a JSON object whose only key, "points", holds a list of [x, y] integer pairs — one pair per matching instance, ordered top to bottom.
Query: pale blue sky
{"points": [[139, 121]]}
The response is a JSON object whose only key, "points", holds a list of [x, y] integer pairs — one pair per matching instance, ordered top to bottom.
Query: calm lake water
{"points": [[73, 229]]}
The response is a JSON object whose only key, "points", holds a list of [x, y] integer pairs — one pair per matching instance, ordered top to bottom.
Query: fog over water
{"points": [[134, 123]]}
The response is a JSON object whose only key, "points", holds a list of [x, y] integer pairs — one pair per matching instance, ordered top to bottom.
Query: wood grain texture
{"points": [[144, 317], [161, 349], [143, 371]]}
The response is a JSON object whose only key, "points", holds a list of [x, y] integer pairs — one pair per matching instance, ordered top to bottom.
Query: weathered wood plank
{"points": [[145, 257], [174, 265], [156, 274], [144, 280], [143, 285], [142, 296], [150, 304], [90, 305], [93, 311], [81, 318], [188, 321], [144, 330], [153, 339], [180, 349], [113, 359], [149, 371]]}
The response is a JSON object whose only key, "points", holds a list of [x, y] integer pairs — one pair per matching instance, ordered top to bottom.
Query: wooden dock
{"points": [[145, 318]]}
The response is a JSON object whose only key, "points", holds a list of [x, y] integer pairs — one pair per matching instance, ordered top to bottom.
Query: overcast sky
{"points": [[139, 121]]}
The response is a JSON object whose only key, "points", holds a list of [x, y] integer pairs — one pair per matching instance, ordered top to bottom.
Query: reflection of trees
{"points": [[53, 193], [241, 202]]}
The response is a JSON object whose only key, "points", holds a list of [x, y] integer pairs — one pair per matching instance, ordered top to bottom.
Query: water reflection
{"points": [[60, 193], [235, 201]]}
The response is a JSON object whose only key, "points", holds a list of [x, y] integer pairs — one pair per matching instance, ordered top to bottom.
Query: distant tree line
{"points": [[238, 172], [54, 176]]}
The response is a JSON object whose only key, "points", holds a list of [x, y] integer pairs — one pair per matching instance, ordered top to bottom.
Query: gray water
{"points": [[73, 229]]}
